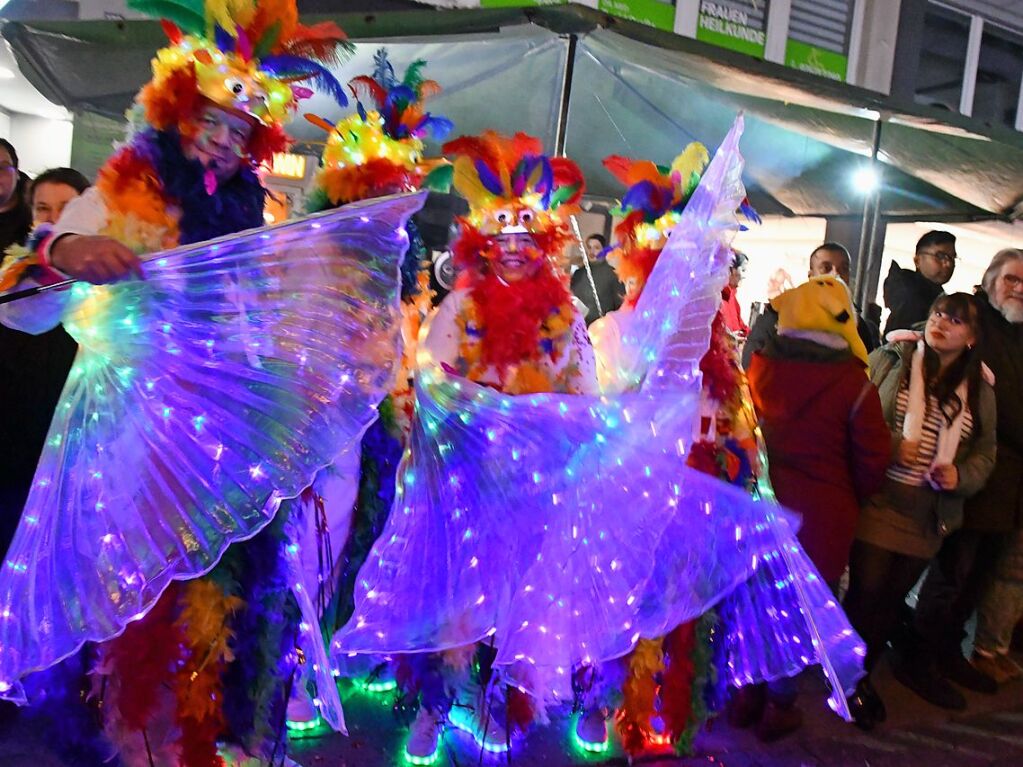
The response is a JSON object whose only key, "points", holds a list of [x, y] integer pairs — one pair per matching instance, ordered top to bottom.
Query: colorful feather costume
{"points": [[246, 56], [380, 151], [650, 208], [201, 397]]}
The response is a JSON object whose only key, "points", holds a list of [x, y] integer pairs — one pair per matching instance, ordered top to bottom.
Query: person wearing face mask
{"points": [[909, 293], [941, 412], [986, 547]]}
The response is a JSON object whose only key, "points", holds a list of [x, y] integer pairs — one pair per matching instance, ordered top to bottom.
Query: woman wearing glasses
{"points": [[941, 412]]}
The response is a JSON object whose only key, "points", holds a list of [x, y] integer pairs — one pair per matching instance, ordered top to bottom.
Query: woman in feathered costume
{"points": [[509, 324], [202, 396]]}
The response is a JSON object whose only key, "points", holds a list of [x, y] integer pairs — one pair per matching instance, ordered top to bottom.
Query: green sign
{"points": [[654, 13], [740, 25], [816, 61]]}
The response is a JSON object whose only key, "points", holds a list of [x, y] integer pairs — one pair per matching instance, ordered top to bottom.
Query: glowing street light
{"points": [[866, 179]]}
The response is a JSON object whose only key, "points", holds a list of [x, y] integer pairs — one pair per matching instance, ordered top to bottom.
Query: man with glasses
{"points": [[909, 294]]}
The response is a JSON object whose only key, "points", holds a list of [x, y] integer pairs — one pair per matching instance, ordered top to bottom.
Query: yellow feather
{"points": [[229, 14], [692, 160], [466, 181]]}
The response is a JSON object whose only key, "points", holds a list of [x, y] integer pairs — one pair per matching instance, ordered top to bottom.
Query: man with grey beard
{"points": [[970, 557]]}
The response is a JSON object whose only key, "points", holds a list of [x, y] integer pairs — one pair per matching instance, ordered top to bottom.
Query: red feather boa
{"points": [[511, 316], [677, 680]]}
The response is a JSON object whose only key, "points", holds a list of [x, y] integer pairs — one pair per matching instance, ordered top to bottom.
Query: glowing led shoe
{"points": [[381, 679], [303, 719], [487, 731], [591, 731], [423, 744]]}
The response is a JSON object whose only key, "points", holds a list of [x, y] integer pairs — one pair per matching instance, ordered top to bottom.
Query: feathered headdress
{"points": [[244, 55], [380, 150], [512, 186], [650, 208]]}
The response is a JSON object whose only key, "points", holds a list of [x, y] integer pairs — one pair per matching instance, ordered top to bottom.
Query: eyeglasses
{"points": [[6, 166], [943, 258], [1012, 281]]}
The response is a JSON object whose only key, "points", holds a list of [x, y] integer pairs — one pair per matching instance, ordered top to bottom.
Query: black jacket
{"points": [[609, 289], [908, 295], [765, 330], [32, 374], [999, 506]]}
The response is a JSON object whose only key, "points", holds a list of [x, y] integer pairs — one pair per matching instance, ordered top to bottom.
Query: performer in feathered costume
{"points": [[371, 153], [509, 324], [202, 396], [565, 528], [664, 695]]}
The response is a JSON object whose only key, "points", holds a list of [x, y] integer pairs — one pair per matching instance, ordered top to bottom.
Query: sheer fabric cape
{"points": [[201, 397]]}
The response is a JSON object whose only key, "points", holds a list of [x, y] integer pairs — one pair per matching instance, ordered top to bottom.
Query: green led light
{"points": [[386, 685], [461, 719], [308, 729], [585, 745], [421, 760]]}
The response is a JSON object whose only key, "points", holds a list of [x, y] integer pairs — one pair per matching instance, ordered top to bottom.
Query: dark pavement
{"points": [[988, 734]]}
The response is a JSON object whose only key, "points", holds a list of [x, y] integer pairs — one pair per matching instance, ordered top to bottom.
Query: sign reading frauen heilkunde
{"points": [[740, 25]]}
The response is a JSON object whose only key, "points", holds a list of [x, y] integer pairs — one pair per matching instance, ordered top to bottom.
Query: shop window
{"points": [[998, 76], [939, 81]]}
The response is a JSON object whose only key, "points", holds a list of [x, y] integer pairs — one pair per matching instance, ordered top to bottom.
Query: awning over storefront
{"points": [[631, 90]]}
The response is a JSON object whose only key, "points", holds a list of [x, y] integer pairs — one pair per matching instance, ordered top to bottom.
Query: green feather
{"points": [[189, 15], [267, 41], [414, 75], [439, 179], [561, 194]]}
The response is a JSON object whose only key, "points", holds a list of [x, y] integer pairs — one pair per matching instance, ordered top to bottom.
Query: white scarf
{"points": [[949, 434]]}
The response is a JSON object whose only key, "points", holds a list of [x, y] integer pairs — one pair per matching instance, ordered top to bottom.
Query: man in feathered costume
{"points": [[509, 324], [203, 395]]}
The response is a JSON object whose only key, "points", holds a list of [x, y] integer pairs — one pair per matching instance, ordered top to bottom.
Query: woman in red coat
{"points": [[731, 312], [827, 442]]}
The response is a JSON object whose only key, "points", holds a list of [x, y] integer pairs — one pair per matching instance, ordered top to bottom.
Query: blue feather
{"points": [[223, 40], [284, 65], [383, 71], [361, 110], [438, 127], [490, 181], [644, 196], [750, 212]]}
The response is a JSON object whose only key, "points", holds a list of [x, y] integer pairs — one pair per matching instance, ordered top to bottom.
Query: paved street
{"points": [[989, 734]]}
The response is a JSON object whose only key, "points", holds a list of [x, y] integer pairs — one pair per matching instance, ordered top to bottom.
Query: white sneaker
{"points": [[301, 709], [591, 730], [488, 732], [423, 744]]}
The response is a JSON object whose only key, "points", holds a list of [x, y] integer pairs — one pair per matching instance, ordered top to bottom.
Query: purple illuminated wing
{"points": [[662, 340], [200, 399]]}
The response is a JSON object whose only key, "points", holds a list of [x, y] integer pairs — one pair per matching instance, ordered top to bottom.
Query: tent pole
{"points": [[561, 137], [560, 140], [871, 205]]}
